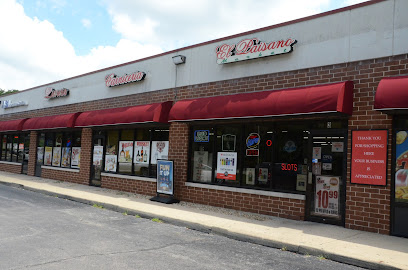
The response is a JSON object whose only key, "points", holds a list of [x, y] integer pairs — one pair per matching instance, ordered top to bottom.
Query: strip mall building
{"points": [[303, 120]]}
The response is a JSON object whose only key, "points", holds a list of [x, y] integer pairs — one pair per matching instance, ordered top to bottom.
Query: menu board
{"points": [[125, 151], [48, 156], [56, 156], [75, 157], [369, 157], [227, 165], [401, 167], [327, 196]]}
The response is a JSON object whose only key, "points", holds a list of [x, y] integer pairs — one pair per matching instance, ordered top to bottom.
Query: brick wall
{"points": [[32, 153], [86, 156], [12, 168], [67, 176], [129, 185]]}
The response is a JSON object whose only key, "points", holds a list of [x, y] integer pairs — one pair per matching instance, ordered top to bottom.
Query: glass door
{"points": [[40, 154], [97, 159], [325, 192]]}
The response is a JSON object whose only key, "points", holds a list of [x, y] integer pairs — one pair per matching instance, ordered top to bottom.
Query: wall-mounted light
{"points": [[179, 59]]}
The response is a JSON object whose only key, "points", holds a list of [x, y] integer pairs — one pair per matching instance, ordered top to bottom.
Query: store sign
{"points": [[252, 48], [113, 80], [53, 93], [5, 104], [201, 136], [253, 140], [369, 157], [165, 177], [327, 196]]}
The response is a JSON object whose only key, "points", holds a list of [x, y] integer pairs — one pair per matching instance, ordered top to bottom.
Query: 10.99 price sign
{"points": [[369, 157], [327, 196]]}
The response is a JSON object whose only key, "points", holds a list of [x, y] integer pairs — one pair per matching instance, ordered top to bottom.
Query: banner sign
{"points": [[252, 48], [113, 80], [369, 157], [227, 165], [401, 167], [165, 178], [327, 196]]}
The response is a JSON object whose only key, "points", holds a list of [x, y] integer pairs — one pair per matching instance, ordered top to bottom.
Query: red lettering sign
{"points": [[113, 80], [53, 93], [369, 157], [289, 167]]}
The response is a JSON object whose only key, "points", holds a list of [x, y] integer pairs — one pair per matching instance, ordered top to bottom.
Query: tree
{"points": [[5, 92]]}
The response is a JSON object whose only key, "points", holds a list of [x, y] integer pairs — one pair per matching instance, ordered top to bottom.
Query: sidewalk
{"points": [[369, 250]]}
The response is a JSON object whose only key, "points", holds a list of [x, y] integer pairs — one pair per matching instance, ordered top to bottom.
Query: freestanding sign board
{"points": [[369, 157], [165, 182]]}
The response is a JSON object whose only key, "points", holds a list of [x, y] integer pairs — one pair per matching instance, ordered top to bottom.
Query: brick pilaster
{"points": [[32, 153]]}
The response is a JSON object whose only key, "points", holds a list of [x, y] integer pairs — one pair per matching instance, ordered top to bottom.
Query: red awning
{"points": [[392, 94], [337, 97], [157, 112], [51, 122], [12, 125]]}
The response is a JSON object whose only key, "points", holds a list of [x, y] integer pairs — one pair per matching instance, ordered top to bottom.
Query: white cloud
{"points": [[86, 23], [34, 52]]}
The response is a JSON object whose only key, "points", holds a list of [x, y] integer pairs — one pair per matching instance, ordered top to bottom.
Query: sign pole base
{"points": [[164, 199]]}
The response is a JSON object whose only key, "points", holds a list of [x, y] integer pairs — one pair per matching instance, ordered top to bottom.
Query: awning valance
{"points": [[392, 94], [336, 97], [157, 112], [51, 122], [12, 125]]}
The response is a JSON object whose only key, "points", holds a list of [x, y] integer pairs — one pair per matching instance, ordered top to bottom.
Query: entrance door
{"points": [[40, 154], [97, 160], [325, 191]]}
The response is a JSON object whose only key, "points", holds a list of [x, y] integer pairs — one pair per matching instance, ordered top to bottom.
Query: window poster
{"points": [[21, 146], [337, 147], [160, 150], [125, 151], [142, 152], [317, 152], [40, 154], [97, 155], [48, 156], [56, 156], [66, 157], [75, 157], [369, 157], [110, 163], [227, 165], [401, 167], [317, 168], [201, 169], [263, 175], [250, 176], [165, 177], [301, 180], [327, 196]]}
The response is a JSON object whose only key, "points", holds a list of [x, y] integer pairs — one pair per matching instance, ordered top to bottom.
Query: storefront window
{"points": [[3, 147], [159, 148], [59, 149], [125, 152], [142, 152], [14, 153], [202, 154]]}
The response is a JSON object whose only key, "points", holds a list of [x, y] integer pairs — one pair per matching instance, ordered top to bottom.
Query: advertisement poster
{"points": [[201, 135], [337, 147], [160, 150], [125, 151], [142, 152], [317, 152], [40, 155], [97, 155], [48, 156], [56, 156], [66, 157], [75, 157], [369, 157], [110, 163], [227, 165], [327, 166], [401, 167], [317, 168], [201, 169], [263, 175], [250, 176], [165, 177], [301, 182], [327, 196]]}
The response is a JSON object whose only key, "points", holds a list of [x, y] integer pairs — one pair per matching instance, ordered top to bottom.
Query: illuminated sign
{"points": [[252, 48], [113, 80], [51, 93], [253, 140]]}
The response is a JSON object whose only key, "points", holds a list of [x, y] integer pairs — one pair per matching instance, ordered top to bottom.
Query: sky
{"points": [[43, 41]]}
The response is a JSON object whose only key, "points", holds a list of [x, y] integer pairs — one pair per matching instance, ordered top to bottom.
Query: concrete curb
{"points": [[300, 249]]}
